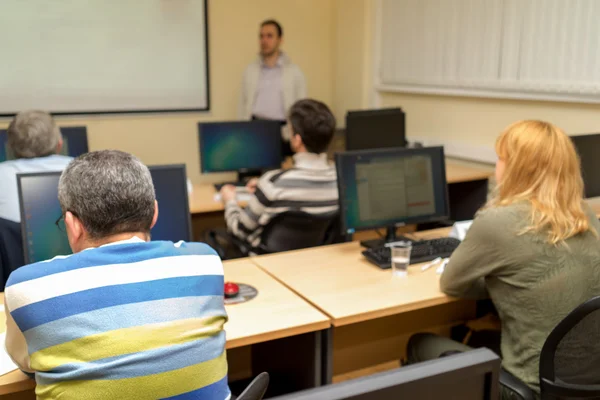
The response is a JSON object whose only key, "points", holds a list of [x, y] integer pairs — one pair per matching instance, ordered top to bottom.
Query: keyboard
{"points": [[218, 186], [422, 251]]}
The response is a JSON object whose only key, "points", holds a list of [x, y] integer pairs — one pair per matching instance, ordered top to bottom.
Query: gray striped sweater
{"points": [[310, 186]]}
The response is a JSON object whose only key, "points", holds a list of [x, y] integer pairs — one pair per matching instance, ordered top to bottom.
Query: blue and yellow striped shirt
{"points": [[128, 320]]}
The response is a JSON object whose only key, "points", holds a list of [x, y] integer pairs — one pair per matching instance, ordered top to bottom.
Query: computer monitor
{"points": [[375, 129], [75, 142], [243, 147], [588, 147], [391, 187], [40, 209], [174, 220], [473, 375]]}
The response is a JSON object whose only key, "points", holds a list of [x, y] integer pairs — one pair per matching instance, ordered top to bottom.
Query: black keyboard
{"points": [[218, 186], [422, 251]]}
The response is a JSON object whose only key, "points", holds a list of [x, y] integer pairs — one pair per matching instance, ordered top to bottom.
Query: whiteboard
{"points": [[96, 56]]}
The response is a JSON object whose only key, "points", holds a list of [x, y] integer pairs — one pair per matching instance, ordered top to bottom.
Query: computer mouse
{"points": [[231, 290]]}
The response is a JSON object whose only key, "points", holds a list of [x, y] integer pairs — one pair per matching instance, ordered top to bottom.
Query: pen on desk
{"points": [[431, 264], [442, 266]]}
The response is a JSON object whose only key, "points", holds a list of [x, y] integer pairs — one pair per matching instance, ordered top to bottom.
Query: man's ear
{"points": [[297, 142], [59, 146], [155, 217], [75, 228]]}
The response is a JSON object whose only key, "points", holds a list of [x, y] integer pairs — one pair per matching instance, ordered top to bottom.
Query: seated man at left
{"points": [[35, 141], [123, 317]]}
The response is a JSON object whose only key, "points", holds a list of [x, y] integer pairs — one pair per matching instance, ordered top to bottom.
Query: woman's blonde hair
{"points": [[542, 168]]}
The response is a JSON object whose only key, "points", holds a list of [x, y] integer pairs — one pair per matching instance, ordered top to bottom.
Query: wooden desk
{"points": [[457, 173], [339, 281], [373, 314], [276, 315]]}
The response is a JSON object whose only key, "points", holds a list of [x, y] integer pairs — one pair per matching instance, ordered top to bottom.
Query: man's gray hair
{"points": [[33, 134], [110, 191]]}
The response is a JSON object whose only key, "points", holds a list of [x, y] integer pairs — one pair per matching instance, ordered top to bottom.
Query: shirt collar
{"points": [[279, 63], [308, 160], [133, 239]]}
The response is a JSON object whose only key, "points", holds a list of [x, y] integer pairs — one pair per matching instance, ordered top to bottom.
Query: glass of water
{"points": [[400, 258]]}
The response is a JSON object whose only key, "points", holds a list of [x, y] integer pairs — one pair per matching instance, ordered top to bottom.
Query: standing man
{"points": [[272, 83]]}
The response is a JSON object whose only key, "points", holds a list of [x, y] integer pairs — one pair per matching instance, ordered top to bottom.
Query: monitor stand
{"points": [[390, 236]]}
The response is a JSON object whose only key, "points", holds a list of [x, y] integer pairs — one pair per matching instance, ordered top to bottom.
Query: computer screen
{"points": [[375, 129], [75, 142], [240, 146], [588, 148], [170, 186], [383, 188], [40, 209], [473, 375]]}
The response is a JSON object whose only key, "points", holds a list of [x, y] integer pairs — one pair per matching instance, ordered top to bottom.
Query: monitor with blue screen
{"points": [[75, 142], [240, 146], [387, 187], [40, 209]]}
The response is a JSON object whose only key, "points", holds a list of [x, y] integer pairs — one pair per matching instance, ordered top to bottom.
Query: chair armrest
{"points": [[213, 236], [515, 385]]}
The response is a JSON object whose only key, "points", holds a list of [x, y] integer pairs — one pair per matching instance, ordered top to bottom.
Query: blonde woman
{"points": [[534, 249]]}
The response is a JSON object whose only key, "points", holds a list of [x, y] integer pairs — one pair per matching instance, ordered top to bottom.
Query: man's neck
{"points": [[271, 60], [116, 238]]}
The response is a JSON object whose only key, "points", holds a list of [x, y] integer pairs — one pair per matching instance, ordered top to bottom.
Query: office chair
{"points": [[292, 230], [11, 249], [570, 358], [256, 389]]}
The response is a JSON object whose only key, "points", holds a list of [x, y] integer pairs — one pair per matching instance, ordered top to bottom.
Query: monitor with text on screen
{"points": [[375, 129], [75, 142], [240, 146], [588, 148], [388, 187], [40, 209], [472, 375]]}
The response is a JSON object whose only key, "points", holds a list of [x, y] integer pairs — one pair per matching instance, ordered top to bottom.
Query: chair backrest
{"points": [[295, 230], [11, 249], [570, 357], [256, 389]]}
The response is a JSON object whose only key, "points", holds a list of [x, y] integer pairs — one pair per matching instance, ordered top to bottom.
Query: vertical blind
{"points": [[547, 49]]}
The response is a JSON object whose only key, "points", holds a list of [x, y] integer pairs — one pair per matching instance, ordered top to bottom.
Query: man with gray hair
{"points": [[35, 141], [122, 317]]}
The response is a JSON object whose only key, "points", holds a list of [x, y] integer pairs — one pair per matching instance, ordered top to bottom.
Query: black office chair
{"points": [[292, 230], [11, 249], [570, 358], [256, 389]]}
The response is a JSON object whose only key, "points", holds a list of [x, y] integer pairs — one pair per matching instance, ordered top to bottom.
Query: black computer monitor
{"points": [[375, 129], [75, 142], [244, 147], [588, 148], [390, 187], [38, 196], [174, 220], [473, 375]]}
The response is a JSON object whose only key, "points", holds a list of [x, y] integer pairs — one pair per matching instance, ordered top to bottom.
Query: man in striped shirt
{"points": [[310, 186], [123, 317]]}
